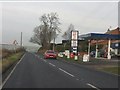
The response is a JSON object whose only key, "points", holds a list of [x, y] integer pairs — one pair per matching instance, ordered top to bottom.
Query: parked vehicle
{"points": [[92, 53], [50, 54]]}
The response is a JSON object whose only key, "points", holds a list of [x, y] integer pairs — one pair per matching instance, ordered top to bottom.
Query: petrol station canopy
{"points": [[99, 36]]}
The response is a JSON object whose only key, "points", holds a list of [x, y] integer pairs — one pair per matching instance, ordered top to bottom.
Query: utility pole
{"points": [[21, 40], [54, 44]]}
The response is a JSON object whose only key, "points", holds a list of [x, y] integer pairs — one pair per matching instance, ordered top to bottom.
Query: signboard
{"points": [[74, 35], [74, 43], [74, 47], [75, 51], [66, 52], [85, 58]]}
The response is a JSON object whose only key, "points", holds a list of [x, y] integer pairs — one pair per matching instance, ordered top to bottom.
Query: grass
{"points": [[7, 62], [96, 64], [0, 66], [114, 70]]}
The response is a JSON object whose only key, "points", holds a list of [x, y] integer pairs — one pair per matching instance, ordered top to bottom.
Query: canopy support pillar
{"points": [[89, 50], [96, 52], [108, 54]]}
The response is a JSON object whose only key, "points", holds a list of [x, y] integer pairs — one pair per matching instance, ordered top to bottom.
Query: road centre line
{"points": [[44, 60], [52, 64], [12, 71], [66, 72], [77, 79], [92, 86]]}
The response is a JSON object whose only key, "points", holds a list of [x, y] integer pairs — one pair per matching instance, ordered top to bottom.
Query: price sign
{"points": [[75, 35]]}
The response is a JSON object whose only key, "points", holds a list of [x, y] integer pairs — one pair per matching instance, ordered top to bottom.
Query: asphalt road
{"points": [[36, 72]]}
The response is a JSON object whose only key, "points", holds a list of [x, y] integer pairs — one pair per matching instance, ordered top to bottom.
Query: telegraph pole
{"points": [[21, 40], [54, 44]]}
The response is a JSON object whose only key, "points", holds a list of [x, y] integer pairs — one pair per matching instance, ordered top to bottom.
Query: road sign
{"points": [[15, 42]]}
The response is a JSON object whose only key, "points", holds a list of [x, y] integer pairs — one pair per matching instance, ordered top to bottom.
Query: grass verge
{"points": [[9, 61], [103, 65], [114, 70]]}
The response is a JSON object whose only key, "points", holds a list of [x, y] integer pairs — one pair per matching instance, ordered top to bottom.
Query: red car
{"points": [[50, 54]]}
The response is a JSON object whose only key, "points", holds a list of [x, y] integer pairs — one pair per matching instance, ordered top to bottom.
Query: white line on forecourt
{"points": [[52, 64], [12, 71], [66, 72], [92, 86]]}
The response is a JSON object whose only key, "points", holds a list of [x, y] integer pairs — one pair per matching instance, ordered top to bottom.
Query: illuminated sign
{"points": [[74, 35], [74, 43]]}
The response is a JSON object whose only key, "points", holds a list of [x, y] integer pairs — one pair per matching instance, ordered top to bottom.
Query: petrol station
{"points": [[99, 36], [108, 38]]}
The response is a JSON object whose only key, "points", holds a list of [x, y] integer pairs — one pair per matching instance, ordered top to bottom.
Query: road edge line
{"points": [[52, 64], [66, 72]]}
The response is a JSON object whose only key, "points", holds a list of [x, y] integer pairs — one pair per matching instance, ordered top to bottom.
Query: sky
{"points": [[87, 17]]}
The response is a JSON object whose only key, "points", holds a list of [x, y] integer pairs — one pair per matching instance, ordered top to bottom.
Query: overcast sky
{"points": [[87, 17]]}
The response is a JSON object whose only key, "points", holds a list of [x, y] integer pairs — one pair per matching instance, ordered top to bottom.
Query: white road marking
{"points": [[44, 60], [52, 64], [12, 71], [66, 72], [77, 79], [92, 86]]}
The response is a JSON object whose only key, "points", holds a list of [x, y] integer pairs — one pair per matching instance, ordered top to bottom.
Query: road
{"points": [[36, 72]]}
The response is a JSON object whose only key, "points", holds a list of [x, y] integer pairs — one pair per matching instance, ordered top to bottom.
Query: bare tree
{"points": [[47, 30], [67, 34]]}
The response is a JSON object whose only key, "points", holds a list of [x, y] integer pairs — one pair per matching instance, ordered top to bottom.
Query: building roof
{"points": [[114, 31], [99, 36], [103, 38]]}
